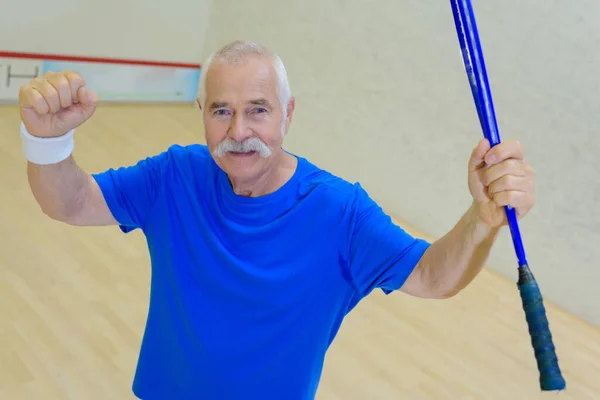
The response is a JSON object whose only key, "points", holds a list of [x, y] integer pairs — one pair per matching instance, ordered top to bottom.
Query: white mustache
{"points": [[247, 146]]}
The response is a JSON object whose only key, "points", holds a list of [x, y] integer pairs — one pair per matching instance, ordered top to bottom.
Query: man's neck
{"points": [[277, 175]]}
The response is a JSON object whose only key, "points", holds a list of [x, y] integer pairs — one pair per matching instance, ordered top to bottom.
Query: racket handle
{"points": [[539, 330]]}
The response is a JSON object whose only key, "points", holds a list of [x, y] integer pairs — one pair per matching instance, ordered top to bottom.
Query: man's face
{"points": [[243, 117]]}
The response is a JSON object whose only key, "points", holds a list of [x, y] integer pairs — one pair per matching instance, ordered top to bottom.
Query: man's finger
{"points": [[76, 81], [61, 84], [48, 92], [87, 97], [31, 98], [504, 151], [506, 167], [509, 183], [512, 198]]}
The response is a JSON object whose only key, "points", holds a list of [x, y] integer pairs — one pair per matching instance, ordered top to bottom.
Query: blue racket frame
{"points": [[480, 88]]}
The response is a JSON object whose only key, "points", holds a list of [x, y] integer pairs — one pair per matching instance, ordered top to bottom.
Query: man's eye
{"points": [[221, 112]]}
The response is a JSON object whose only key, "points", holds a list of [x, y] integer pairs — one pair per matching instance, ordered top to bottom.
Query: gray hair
{"points": [[236, 52]]}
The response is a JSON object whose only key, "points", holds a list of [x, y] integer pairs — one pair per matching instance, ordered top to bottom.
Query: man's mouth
{"points": [[240, 154]]}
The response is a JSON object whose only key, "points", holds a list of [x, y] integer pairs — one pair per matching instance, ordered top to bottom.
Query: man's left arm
{"points": [[497, 177]]}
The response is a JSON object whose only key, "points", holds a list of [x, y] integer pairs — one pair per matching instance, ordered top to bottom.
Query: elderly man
{"points": [[257, 254]]}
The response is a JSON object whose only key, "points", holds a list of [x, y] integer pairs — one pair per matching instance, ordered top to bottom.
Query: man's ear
{"points": [[290, 109], [288, 119]]}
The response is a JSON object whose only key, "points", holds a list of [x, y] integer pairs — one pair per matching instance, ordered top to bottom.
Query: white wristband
{"points": [[45, 151]]}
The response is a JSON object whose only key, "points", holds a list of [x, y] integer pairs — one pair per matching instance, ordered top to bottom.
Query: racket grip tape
{"points": [[539, 330]]}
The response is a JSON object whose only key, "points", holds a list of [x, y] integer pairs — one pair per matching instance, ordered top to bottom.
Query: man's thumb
{"points": [[477, 159]]}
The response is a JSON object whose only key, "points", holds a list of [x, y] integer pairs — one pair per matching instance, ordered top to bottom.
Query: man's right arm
{"points": [[52, 107], [68, 194]]}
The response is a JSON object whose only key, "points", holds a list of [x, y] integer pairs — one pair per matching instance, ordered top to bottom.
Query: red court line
{"points": [[55, 57]]}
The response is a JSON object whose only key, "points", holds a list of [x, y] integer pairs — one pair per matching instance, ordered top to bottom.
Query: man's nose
{"points": [[238, 128]]}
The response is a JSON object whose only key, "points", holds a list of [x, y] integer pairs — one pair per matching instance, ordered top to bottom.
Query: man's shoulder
{"points": [[186, 151], [186, 157], [179, 162], [329, 183]]}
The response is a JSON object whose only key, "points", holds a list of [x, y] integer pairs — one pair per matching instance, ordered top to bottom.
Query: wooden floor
{"points": [[73, 302]]}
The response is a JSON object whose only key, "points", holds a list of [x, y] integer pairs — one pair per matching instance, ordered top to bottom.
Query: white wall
{"points": [[132, 29], [382, 98]]}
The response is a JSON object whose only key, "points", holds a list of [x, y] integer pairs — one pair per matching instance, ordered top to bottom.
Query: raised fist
{"points": [[55, 103]]}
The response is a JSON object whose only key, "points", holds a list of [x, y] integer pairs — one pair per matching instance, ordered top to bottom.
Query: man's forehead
{"points": [[245, 83]]}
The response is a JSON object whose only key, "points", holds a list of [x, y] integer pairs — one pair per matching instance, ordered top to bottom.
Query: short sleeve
{"points": [[130, 192], [381, 254]]}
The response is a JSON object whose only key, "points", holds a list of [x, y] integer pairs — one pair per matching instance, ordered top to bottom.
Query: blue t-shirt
{"points": [[247, 294]]}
